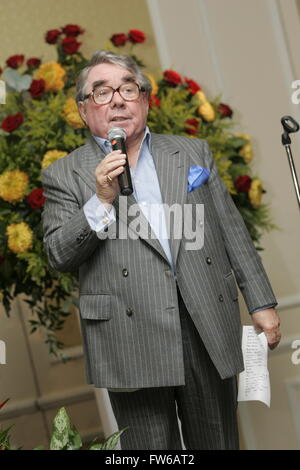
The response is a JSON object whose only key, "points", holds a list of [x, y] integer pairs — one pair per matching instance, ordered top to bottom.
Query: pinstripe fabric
{"points": [[145, 348], [206, 405]]}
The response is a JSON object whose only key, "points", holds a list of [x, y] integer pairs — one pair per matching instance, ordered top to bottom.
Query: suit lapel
{"points": [[172, 171]]}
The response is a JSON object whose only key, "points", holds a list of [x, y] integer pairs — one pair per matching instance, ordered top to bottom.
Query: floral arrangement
{"points": [[40, 123]]}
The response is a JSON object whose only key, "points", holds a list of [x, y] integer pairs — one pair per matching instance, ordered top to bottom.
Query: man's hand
{"points": [[112, 165], [268, 321]]}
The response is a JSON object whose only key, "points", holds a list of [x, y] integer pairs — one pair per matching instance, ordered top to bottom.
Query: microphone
{"points": [[117, 137]]}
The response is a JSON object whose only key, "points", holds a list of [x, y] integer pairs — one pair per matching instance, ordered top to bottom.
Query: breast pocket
{"points": [[95, 307]]}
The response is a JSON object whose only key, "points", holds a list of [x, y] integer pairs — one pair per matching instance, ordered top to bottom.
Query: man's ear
{"points": [[82, 111]]}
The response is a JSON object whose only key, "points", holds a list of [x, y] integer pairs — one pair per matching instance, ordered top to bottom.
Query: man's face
{"points": [[129, 115]]}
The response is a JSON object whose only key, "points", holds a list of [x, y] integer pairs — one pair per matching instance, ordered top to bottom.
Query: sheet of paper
{"points": [[254, 381]]}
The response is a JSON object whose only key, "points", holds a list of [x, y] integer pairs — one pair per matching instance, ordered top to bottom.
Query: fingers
{"points": [[109, 165], [107, 173], [115, 173], [268, 321], [273, 335], [273, 339]]}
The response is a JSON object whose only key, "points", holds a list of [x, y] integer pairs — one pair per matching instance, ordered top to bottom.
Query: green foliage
{"points": [[174, 110], [64, 436]]}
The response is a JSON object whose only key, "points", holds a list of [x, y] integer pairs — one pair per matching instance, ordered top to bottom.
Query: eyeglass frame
{"points": [[140, 88]]}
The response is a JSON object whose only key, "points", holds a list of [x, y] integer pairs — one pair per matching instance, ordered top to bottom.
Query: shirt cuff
{"points": [[98, 217], [263, 308]]}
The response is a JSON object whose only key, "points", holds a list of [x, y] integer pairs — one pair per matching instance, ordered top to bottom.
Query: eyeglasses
{"points": [[104, 94]]}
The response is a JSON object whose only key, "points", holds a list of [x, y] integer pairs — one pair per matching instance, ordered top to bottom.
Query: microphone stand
{"points": [[290, 125]]}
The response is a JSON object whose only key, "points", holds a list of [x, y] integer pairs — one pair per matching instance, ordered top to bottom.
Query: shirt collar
{"points": [[105, 145]]}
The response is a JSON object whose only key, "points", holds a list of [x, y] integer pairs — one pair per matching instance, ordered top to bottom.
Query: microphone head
{"points": [[116, 133]]}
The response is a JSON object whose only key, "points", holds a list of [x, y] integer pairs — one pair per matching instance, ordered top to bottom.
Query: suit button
{"points": [[208, 260], [125, 272], [221, 298], [129, 312]]}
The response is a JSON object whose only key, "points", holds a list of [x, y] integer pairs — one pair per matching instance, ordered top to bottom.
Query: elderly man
{"points": [[160, 318]]}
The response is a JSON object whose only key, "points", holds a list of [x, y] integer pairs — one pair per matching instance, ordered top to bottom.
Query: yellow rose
{"points": [[52, 73], [153, 83], [201, 97], [207, 111], [71, 114], [243, 136], [246, 152], [51, 156], [13, 185], [255, 193], [20, 237]]}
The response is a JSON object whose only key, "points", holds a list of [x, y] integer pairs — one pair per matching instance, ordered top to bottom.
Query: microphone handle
{"points": [[124, 178]]}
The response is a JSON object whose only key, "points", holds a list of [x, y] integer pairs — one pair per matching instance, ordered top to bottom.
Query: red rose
{"points": [[72, 30], [52, 36], [136, 37], [119, 39], [70, 45], [15, 61], [33, 63], [172, 78], [193, 87], [37, 88], [154, 101], [225, 110], [12, 122], [193, 126], [243, 183], [36, 198], [4, 402]]}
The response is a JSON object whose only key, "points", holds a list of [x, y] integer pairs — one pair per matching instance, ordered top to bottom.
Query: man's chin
{"points": [[123, 125]]}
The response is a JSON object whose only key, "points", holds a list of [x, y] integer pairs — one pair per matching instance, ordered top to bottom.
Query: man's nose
{"points": [[117, 99]]}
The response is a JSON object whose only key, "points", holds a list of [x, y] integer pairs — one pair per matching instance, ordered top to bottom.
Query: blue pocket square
{"points": [[197, 176]]}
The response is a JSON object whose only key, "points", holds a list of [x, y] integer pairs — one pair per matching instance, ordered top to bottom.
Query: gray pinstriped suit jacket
{"points": [[145, 349]]}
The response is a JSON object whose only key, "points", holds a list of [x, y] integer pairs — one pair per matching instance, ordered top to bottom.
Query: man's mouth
{"points": [[119, 118]]}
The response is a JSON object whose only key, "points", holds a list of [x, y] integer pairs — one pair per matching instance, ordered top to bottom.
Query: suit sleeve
{"points": [[68, 237], [244, 259]]}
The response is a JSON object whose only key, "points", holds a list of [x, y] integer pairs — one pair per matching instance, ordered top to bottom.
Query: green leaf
{"points": [[61, 429], [64, 436], [4, 439], [110, 443]]}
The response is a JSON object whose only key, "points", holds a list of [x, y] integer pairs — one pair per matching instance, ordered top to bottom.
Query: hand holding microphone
{"points": [[117, 137], [113, 173]]}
